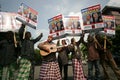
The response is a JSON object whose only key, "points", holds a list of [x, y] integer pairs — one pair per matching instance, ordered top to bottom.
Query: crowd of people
{"points": [[20, 58], [17, 62]]}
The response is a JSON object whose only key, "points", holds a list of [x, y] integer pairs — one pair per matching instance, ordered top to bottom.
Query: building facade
{"points": [[113, 11]]}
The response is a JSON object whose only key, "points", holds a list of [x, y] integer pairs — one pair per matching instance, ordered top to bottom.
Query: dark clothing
{"points": [[27, 49], [75, 49], [92, 51], [8, 52], [27, 52], [63, 55], [50, 57], [8, 59], [106, 59], [93, 60], [63, 61], [92, 64], [65, 68]]}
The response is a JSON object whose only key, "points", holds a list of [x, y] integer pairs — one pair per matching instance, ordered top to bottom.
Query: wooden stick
{"points": [[24, 32], [15, 41], [97, 42], [105, 43]]}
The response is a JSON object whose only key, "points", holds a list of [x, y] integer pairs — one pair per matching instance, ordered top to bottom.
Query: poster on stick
{"points": [[27, 15], [92, 18], [8, 22], [109, 23], [72, 25], [61, 26], [56, 27]]}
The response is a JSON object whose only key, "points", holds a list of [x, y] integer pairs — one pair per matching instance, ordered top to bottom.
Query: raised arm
{"points": [[21, 31], [38, 38], [82, 40], [79, 41]]}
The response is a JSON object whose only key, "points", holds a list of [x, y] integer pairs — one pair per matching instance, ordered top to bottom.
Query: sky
{"points": [[50, 8]]}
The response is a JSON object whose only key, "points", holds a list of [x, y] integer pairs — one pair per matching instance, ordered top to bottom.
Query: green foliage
{"points": [[116, 41], [84, 50], [38, 57]]}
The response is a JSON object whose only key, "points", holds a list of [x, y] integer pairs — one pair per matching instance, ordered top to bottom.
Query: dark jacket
{"points": [[27, 49], [75, 49], [92, 50], [8, 52], [63, 55]]}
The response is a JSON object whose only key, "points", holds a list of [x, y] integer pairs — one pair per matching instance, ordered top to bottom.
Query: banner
{"points": [[27, 15], [92, 18], [8, 22], [109, 23], [72, 25], [61, 26], [56, 27]]}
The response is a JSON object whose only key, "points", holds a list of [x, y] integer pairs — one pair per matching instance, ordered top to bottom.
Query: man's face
{"points": [[95, 15], [88, 17], [49, 39]]}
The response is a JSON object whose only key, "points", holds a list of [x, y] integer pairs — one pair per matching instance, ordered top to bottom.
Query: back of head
{"points": [[9, 35], [27, 35], [90, 38], [72, 40]]}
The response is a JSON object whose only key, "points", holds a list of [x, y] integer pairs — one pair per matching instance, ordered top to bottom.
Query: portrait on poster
{"points": [[109, 24]]}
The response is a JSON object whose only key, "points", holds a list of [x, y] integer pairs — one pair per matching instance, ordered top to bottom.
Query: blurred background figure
{"points": [[8, 57]]}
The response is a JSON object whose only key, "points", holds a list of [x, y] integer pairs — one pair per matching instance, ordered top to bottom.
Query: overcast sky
{"points": [[50, 8]]}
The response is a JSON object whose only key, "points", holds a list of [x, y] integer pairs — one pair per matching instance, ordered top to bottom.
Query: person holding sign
{"points": [[106, 58], [26, 68], [49, 69]]}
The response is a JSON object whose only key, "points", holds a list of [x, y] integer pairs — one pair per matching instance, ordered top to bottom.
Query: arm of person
{"points": [[21, 31], [38, 38], [82, 40]]}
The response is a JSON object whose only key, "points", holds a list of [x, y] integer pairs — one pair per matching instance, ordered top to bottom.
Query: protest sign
{"points": [[27, 15], [92, 18], [8, 22], [109, 23], [72, 25], [61, 26], [56, 27]]}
